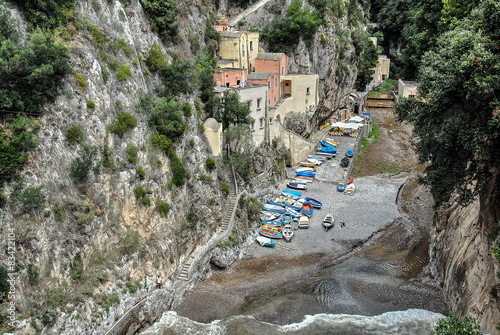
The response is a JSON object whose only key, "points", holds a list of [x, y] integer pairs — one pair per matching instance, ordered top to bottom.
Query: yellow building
{"points": [[238, 49], [382, 69], [301, 90], [213, 133]]}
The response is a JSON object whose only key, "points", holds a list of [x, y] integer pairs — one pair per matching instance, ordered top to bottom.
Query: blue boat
{"points": [[328, 145], [328, 150], [349, 153], [325, 154], [321, 158], [306, 174], [298, 186], [341, 187], [270, 202], [315, 203], [273, 208], [294, 208], [307, 209], [286, 218], [276, 223], [270, 233]]}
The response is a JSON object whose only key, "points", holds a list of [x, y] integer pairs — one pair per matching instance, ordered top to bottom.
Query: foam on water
{"points": [[411, 322]]}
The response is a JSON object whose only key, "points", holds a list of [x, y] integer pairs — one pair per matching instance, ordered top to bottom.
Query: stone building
{"points": [[238, 49], [230, 77], [269, 79], [407, 89], [214, 135]]}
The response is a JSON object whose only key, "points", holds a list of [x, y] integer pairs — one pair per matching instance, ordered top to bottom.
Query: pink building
{"points": [[223, 27], [272, 62], [230, 77], [271, 79]]}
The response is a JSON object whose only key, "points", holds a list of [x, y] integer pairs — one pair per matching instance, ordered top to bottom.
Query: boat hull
{"points": [[315, 203], [270, 233]]}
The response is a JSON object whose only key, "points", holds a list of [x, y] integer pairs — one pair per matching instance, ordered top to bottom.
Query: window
{"points": [[251, 45], [243, 52], [282, 70], [276, 81], [269, 84], [287, 84], [308, 90], [274, 99], [259, 100], [250, 104], [271, 120], [261, 122], [253, 126]]}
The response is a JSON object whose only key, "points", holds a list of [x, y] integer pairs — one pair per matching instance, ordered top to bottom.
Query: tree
{"points": [[163, 13], [368, 60], [232, 111], [457, 117], [167, 118], [453, 325]]}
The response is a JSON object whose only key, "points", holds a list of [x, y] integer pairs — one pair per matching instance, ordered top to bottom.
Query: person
{"points": [[158, 281]]}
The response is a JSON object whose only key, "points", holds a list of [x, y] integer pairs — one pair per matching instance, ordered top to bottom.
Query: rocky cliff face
{"points": [[463, 264]]}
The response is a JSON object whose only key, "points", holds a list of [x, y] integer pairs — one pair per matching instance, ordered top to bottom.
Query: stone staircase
{"points": [[232, 198]]}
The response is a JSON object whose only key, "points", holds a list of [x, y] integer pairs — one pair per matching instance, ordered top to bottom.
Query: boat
{"points": [[332, 141], [327, 144], [327, 150], [349, 153], [325, 154], [318, 157], [315, 161], [344, 162], [308, 164], [305, 169], [306, 174], [304, 178], [351, 180], [301, 181], [298, 186], [341, 187], [350, 189], [291, 194], [270, 202], [315, 203], [273, 208], [307, 209], [295, 211], [269, 215], [286, 218], [328, 221], [272, 222], [303, 222], [295, 223], [342, 225], [277, 229], [288, 232], [269, 233], [265, 241]]}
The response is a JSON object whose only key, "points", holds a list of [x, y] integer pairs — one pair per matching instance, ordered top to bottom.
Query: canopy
{"points": [[366, 114], [356, 119], [352, 126]]}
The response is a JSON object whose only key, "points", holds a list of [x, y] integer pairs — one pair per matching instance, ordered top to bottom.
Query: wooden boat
{"points": [[331, 141], [328, 145], [327, 150], [349, 153], [325, 154], [318, 157], [315, 161], [344, 162], [308, 164], [305, 169], [306, 174], [304, 178], [301, 181], [298, 186], [341, 187], [350, 189], [291, 194], [270, 202], [315, 203], [273, 208], [307, 209], [294, 211], [269, 215], [286, 218], [328, 221], [303, 222], [276, 223], [295, 223], [277, 229], [288, 232], [270, 233], [265, 241]]}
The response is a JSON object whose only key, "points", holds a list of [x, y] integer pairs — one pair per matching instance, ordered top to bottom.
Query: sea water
{"points": [[411, 322]]}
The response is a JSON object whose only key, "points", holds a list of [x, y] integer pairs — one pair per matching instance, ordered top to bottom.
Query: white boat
{"points": [[314, 161], [305, 169], [301, 181], [297, 186], [350, 189], [303, 222], [288, 232], [265, 241]]}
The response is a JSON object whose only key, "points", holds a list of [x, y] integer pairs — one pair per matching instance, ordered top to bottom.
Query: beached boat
{"points": [[331, 141], [327, 144], [327, 150], [349, 153], [325, 154], [318, 157], [315, 161], [344, 162], [308, 164], [305, 169], [306, 174], [304, 178], [301, 181], [297, 186], [341, 187], [350, 189], [291, 194], [270, 202], [315, 203], [273, 208], [307, 209], [295, 211], [269, 215], [286, 217], [328, 221], [272, 222], [303, 222], [295, 223], [277, 229], [288, 232], [270, 233], [265, 241]]}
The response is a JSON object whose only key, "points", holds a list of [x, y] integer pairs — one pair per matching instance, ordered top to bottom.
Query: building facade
{"points": [[239, 47], [230, 77], [271, 81], [407, 89], [214, 135]]}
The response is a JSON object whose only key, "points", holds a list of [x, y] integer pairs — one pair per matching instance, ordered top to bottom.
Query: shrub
{"points": [[163, 14], [97, 35], [124, 46], [156, 60], [114, 65], [123, 73], [105, 74], [81, 81], [90, 104], [198, 108], [186, 109], [166, 118], [122, 123], [201, 128], [74, 135], [162, 142], [132, 153], [107, 160], [210, 163], [81, 165], [141, 173], [180, 174], [225, 189], [139, 192], [26, 200], [146, 202], [163, 208], [83, 211], [58, 213], [131, 242], [76, 269], [33, 273], [4, 284], [453, 325]]}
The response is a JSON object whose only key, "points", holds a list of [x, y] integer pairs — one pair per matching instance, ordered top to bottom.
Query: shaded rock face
{"points": [[296, 122], [462, 262]]}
